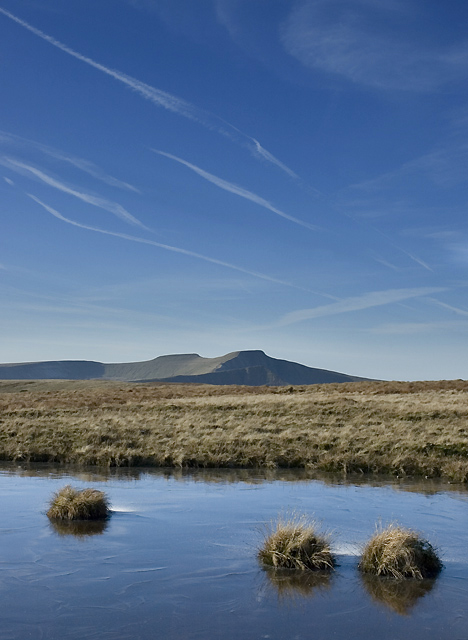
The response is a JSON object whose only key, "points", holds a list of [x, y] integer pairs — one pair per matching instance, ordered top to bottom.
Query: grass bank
{"points": [[370, 427]]}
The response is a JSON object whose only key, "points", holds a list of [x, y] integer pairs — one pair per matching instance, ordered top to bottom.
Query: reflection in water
{"points": [[58, 471], [229, 476], [79, 528], [178, 562], [292, 584], [399, 595]]}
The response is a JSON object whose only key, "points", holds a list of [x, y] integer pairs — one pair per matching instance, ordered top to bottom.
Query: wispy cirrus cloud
{"points": [[376, 44], [164, 99], [83, 165], [444, 167], [422, 188], [237, 190], [96, 201], [360, 218], [160, 245], [459, 252], [386, 263], [358, 303], [75, 305], [449, 307], [409, 328]]}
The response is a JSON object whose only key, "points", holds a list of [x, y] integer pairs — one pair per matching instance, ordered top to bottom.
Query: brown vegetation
{"points": [[418, 428], [71, 504], [295, 543], [399, 553]]}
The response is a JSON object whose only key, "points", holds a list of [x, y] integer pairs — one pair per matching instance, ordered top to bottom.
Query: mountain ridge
{"points": [[248, 367]]}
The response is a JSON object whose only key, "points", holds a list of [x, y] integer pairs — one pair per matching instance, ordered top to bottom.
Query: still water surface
{"points": [[177, 559]]}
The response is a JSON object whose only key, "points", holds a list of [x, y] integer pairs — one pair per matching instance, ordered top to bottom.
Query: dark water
{"points": [[177, 560]]}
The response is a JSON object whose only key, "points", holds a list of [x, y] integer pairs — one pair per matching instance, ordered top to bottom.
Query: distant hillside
{"points": [[252, 368]]}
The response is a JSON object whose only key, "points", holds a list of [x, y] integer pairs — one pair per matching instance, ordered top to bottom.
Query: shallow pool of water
{"points": [[177, 559]]}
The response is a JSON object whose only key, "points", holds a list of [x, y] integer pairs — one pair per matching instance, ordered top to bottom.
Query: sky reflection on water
{"points": [[177, 559]]}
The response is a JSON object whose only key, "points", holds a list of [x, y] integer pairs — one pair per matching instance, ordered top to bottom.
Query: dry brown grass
{"points": [[371, 427], [71, 504], [296, 543], [399, 553]]}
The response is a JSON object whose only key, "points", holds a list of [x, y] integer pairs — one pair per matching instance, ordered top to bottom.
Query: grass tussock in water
{"points": [[369, 427], [71, 504], [296, 543], [400, 553]]}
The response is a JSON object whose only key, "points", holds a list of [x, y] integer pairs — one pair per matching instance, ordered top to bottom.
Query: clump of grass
{"points": [[71, 504], [295, 543], [400, 553]]}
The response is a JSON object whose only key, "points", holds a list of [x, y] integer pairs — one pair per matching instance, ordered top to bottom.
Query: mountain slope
{"points": [[251, 368]]}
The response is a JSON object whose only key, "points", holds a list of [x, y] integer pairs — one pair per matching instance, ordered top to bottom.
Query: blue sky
{"points": [[182, 176]]}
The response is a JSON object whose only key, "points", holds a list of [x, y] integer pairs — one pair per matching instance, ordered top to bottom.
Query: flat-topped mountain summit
{"points": [[253, 368]]}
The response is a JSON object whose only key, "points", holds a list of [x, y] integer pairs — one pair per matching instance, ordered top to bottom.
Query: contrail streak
{"points": [[164, 99], [187, 110], [266, 155], [83, 165], [236, 189], [101, 203], [160, 245], [358, 303]]}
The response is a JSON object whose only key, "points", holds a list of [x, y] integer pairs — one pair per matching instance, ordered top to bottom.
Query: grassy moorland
{"points": [[418, 428]]}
